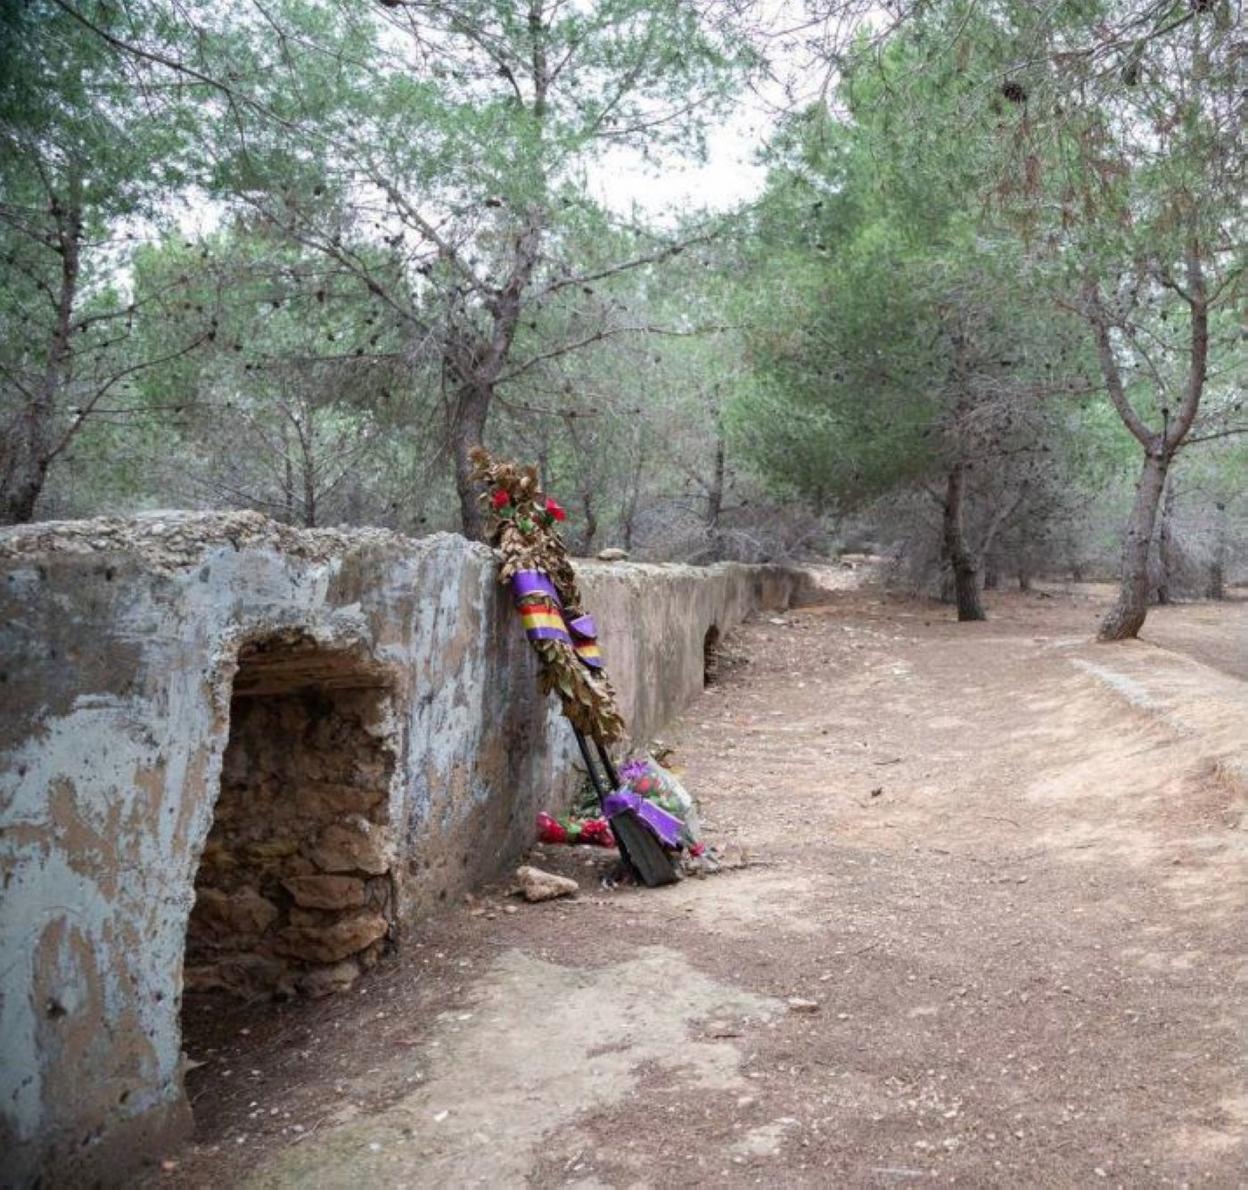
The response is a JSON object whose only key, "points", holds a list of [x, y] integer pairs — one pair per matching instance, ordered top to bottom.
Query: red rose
{"points": [[500, 499], [555, 509], [549, 831], [597, 831]]}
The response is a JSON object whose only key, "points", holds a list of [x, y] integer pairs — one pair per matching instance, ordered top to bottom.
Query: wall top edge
{"points": [[176, 540]]}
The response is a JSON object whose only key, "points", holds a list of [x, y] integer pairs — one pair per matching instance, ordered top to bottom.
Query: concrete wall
{"points": [[119, 645]]}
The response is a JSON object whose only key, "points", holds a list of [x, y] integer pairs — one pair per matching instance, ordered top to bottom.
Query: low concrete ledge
{"points": [[1189, 698], [324, 733]]}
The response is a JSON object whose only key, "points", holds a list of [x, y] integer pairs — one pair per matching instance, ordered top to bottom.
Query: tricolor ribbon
{"points": [[541, 612], [585, 641]]}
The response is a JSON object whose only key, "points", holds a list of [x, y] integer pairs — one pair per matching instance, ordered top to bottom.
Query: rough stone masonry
{"points": [[239, 756]]}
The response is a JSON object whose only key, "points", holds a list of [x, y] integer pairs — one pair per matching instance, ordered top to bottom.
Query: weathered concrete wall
{"points": [[119, 648]]}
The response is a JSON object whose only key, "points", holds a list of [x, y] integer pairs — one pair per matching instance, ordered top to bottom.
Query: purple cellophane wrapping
{"points": [[667, 828]]}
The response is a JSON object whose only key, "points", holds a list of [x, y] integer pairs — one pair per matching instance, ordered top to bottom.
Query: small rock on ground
{"points": [[535, 885], [798, 1004]]}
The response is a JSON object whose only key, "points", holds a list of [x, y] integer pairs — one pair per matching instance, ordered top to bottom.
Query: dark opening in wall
{"points": [[710, 655], [294, 892]]}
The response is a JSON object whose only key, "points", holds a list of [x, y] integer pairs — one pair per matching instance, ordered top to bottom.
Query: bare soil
{"points": [[1006, 864]]}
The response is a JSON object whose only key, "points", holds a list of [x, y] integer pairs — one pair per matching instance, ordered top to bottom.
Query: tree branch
{"points": [[624, 266], [1094, 311], [598, 336], [1199, 350], [85, 411]]}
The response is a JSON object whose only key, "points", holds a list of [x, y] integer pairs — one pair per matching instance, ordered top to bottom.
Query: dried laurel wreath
{"points": [[523, 531]]}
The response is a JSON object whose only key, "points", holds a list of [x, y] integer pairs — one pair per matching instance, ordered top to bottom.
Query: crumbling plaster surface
{"points": [[118, 645]]}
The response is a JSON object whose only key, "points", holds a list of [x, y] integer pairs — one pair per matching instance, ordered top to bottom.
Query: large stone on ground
{"points": [[535, 885], [326, 891], [330, 943], [325, 981]]}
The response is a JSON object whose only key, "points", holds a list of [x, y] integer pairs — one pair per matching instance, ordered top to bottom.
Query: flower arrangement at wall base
{"points": [[661, 802], [574, 830]]}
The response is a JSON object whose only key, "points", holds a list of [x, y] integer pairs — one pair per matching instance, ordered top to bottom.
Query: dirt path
{"points": [[1215, 634], [1007, 864]]}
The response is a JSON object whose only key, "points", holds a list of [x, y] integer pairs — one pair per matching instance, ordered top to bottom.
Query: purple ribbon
{"points": [[533, 582], [584, 627], [585, 640], [667, 828]]}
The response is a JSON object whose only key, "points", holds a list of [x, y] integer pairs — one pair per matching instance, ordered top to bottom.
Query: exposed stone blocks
{"points": [[262, 750], [296, 872], [326, 892]]}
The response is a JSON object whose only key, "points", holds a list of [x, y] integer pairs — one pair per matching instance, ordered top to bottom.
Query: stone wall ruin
{"points": [[240, 756], [295, 888]]}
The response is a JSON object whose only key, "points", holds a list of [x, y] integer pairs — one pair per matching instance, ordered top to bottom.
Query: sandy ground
{"points": [[1007, 865]]}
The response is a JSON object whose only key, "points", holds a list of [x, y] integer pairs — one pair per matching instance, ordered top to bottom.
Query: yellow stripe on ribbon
{"points": [[541, 620], [543, 623], [588, 652]]}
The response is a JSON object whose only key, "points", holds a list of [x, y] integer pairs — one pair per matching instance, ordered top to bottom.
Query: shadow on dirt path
{"points": [[1014, 892]]}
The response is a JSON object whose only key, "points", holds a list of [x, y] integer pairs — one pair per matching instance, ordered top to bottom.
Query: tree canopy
{"points": [[986, 312]]}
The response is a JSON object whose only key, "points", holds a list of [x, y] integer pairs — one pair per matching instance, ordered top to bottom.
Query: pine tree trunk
{"points": [[478, 361], [467, 433], [29, 451], [307, 455], [288, 478], [23, 484], [634, 489], [715, 494], [591, 521], [1165, 547], [1024, 564], [1217, 565], [965, 572], [945, 594], [1125, 619]]}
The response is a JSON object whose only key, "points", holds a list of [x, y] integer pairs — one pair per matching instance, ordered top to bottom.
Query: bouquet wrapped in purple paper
{"points": [[660, 801]]}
